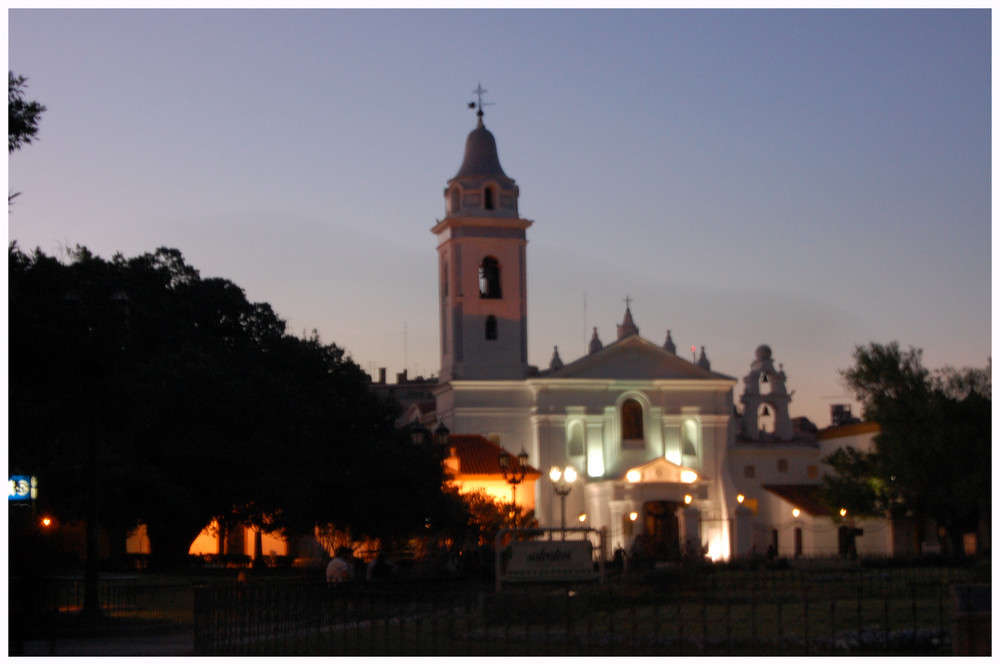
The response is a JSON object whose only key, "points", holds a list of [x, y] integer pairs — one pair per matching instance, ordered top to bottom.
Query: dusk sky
{"points": [[811, 180]]}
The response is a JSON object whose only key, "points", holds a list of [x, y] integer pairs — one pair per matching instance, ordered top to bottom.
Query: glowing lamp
{"points": [[633, 476], [688, 476], [562, 483], [687, 498], [740, 498], [843, 512], [795, 513], [633, 516], [583, 517], [46, 521]]}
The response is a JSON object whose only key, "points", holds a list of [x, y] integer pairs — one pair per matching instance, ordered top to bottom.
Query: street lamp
{"points": [[421, 436], [513, 473], [562, 483]]}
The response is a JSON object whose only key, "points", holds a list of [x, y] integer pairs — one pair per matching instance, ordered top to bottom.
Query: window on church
{"points": [[488, 198], [455, 200], [489, 278], [491, 327], [632, 421], [782, 466]]}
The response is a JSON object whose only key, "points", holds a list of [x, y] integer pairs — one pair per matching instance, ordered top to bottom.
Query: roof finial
{"points": [[479, 103]]}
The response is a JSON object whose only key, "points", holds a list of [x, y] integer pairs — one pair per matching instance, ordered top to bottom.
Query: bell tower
{"points": [[482, 269], [765, 400]]}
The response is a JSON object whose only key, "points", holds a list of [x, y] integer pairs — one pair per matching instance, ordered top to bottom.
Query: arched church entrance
{"points": [[662, 529]]}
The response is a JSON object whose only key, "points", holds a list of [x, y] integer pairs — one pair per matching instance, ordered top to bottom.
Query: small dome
{"points": [[481, 157], [763, 352]]}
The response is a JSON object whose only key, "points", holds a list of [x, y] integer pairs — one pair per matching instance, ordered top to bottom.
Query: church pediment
{"points": [[633, 358], [662, 470]]}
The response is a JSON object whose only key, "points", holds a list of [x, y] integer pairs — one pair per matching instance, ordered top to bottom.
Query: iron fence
{"points": [[49, 608], [662, 612]]}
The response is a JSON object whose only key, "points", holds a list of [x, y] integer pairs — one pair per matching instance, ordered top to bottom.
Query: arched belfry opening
{"points": [[489, 278], [765, 418]]}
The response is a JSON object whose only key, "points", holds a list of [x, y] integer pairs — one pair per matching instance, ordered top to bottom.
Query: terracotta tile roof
{"points": [[849, 430], [479, 456], [804, 497]]}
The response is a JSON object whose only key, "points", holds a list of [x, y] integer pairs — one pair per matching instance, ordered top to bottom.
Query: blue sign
{"points": [[22, 488]]}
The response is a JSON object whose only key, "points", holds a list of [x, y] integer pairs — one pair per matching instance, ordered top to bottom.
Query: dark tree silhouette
{"points": [[22, 115], [201, 405], [932, 455]]}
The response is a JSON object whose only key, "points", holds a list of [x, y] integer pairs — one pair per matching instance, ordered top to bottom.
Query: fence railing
{"points": [[50, 608], [687, 612]]}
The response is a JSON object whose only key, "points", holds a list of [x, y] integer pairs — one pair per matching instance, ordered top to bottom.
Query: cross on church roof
{"points": [[628, 302]]}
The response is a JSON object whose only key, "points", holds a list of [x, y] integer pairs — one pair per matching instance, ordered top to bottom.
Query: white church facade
{"points": [[661, 452]]}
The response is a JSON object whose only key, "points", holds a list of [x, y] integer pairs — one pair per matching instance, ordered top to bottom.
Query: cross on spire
{"points": [[479, 103], [628, 302]]}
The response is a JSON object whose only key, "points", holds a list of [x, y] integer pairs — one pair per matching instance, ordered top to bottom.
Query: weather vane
{"points": [[479, 97]]}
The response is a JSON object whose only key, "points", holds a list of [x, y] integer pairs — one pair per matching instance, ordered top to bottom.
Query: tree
{"points": [[22, 115], [199, 406], [932, 454], [487, 516]]}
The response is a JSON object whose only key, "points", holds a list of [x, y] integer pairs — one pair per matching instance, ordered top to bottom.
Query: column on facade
{"points": [[655, 442], [672, 443], [551, 447], [596, 459]]}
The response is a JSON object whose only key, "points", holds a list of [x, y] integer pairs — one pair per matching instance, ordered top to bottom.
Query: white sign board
{"points": [[550, 560]]}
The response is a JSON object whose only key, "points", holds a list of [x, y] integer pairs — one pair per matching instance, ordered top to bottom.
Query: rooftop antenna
{"points": [[479, 103]]}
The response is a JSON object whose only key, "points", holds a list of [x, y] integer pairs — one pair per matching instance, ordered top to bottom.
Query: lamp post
{"points": [[421, 436], [513, 473], [562, 483], [798, 533]]}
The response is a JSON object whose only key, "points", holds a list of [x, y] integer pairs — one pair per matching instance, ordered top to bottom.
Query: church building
{"points": [[646, 429], [655, 438]]}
